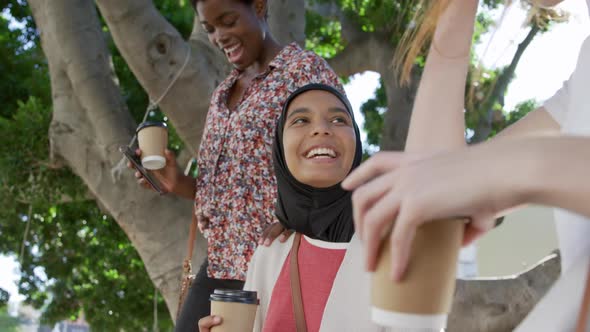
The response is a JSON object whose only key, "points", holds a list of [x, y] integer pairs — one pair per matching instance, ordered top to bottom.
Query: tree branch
{"points": [[286, 20], [351, 32], [155, 52], [369, 53], [84, 69], [82, 84], [400, 100], [484, 126], [500, 304]]}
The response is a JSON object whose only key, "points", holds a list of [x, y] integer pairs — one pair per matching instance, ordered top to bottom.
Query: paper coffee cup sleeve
{"points": [[153, 162], [404, 322]]}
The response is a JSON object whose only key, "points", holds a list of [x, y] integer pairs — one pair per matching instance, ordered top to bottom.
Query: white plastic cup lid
{"points": [[153, 162], [405, 322]]}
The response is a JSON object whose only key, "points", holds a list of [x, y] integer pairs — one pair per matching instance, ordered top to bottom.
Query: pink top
{"points": [[319, 262]]}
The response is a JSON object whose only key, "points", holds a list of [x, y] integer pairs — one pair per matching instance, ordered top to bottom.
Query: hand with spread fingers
{"points": [[412, 190], [276, 230]]}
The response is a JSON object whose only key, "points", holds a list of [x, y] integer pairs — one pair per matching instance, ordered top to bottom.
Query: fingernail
{"points": [[267, 242], [367, 263], [395, 273], [392, 275], [216, 319]]}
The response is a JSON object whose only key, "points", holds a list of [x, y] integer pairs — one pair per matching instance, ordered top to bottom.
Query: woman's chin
{"points": [[322, 180]]}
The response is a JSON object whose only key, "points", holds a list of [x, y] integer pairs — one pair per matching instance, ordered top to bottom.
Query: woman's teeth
{"points": [[232, 49], [321, 152]]}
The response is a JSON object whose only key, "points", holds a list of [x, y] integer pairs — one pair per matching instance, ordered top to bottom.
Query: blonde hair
{"points": [[418, 36]]}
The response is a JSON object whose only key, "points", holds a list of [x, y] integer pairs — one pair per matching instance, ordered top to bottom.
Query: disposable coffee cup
{"points": [[152, 138], [421, 301], [236, 308]]}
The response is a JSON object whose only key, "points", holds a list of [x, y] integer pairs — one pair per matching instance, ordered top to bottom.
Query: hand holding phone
{"points": [[136, 162]]}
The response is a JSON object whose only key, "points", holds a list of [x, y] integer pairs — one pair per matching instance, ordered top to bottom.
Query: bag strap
{"points": [[192, 235], [187, 268], [296, 286], [585, 307]]}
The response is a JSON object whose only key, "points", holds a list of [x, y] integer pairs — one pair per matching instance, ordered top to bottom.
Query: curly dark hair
{"points": [[194, 2], [247, 2]]}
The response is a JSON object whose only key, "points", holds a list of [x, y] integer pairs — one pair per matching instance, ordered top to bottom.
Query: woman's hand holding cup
{"points": [[167, 176], [206, 323]]}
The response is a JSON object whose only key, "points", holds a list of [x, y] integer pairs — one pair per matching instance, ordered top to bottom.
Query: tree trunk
{"points": [[286, 19], [156, 52], [400, 100], [90, 118], [484, 125], [500, 304]]}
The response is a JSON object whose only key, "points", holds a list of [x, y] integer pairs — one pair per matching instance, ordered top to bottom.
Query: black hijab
{"points": [[320, 213]]}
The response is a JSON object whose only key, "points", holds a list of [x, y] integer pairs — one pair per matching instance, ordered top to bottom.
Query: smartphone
{"points": [[134, 159]]}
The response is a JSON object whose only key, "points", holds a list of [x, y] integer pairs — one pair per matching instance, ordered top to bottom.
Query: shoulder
{"points": [[585, 50], [310, 56], [295, 57], [583, 64], [298, 67], [582, 71], [568, 98], [273, 252], [276, 252], [265, 263]]}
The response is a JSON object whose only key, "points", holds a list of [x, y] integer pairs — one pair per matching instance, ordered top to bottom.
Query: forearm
{"points": [[437, 120], [536, 123], [560, 174], [185, 187]]}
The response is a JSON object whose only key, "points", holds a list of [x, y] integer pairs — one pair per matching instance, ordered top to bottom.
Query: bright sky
{"points": [[548, 61], [9, 277]]}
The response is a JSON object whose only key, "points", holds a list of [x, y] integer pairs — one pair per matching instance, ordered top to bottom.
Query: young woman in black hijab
{"points": [[317, 144], [310, 156]]}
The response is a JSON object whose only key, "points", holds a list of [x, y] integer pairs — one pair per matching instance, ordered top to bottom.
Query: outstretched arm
{"points": [[437, 118], [549, 171], [559, 172]]}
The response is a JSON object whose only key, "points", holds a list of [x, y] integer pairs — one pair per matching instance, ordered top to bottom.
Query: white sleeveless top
{"points": [[558, 310]]}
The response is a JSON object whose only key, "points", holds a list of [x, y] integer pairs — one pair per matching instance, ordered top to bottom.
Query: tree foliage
{"points": [[4, 297], [7, 323]]}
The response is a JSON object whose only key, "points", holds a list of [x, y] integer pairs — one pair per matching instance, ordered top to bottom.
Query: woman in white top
{"points": [[544, 159]]}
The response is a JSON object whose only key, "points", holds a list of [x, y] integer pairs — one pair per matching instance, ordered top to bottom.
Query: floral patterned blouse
{"points": [[236, 187]]}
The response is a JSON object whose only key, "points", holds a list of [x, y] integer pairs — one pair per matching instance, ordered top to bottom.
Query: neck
{"points": [[270, 49]]}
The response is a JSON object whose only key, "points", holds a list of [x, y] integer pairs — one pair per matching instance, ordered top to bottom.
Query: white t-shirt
{"points": [[570, 107], [558, 310]]}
